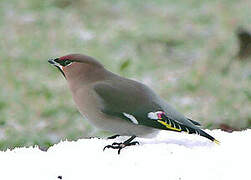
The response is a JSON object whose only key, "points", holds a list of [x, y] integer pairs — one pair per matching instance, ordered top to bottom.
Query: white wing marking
{"points": [[153, 115], [131, 117]]}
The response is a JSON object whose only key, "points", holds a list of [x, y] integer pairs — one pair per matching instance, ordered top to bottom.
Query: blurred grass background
{"points": [[178, 48]]}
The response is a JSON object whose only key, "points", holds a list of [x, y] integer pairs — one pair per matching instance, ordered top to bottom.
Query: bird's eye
{"points": [[67, 63]]}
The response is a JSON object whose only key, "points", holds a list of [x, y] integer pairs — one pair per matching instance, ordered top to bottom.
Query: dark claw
{"points": [[113, 137], [133, 143], [116, 144], [129, 144], [109, 146], [120, 146], [119, 150]]}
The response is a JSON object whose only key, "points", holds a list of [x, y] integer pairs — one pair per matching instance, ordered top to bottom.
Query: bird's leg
{"points": [[113, 137], [122, 145]]}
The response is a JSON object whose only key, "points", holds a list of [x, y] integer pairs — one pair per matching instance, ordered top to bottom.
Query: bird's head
{"points": [[78, 66]]}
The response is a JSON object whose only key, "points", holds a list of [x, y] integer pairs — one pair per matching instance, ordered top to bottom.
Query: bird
{"points": [[120, 105]]}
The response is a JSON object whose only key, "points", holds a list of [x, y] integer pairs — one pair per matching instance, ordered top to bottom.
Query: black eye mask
{"points": [[63, 62]]}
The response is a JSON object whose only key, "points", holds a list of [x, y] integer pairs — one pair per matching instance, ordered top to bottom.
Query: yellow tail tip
{"points": [[217, 142]]}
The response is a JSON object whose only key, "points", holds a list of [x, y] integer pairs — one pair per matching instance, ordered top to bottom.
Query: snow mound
{"points": [[168, 156]]}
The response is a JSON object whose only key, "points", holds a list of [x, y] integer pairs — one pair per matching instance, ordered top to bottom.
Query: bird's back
{"points": [[132, 96]]}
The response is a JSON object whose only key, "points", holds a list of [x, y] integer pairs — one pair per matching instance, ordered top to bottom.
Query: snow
{"points": [[169, 156]]}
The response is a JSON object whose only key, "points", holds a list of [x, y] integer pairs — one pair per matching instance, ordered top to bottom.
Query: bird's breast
{"points": [[90, 106]]}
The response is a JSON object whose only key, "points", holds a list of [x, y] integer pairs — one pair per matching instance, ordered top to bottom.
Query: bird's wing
{"points": [[138, 104], [194, 122]]}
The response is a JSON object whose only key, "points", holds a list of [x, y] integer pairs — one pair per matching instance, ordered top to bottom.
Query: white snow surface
{"points": [[169, 156]]}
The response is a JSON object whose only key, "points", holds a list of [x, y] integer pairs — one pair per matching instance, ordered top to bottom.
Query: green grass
{"points": [[179, 48]]}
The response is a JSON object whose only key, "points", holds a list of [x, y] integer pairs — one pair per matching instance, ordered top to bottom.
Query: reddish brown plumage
{"points": [[66, 57]]}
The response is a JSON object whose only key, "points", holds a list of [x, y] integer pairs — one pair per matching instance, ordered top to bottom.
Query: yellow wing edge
{"points": [[217, 142]]}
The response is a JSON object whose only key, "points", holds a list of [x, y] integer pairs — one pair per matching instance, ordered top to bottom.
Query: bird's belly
{"points": [[91, 110], [118, 125], [123, 127]]}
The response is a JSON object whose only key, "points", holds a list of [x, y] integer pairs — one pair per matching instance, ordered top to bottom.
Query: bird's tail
{"points": [[204, 134]]}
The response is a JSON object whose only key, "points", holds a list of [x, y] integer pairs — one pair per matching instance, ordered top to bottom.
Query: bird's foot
{"points": [[113, 137], [120, 146]]}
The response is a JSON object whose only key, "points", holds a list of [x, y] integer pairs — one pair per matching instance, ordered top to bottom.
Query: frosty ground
{"points": [[168, 156]]}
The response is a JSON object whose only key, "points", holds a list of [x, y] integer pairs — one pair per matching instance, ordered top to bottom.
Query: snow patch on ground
{"points": [[168, 156]]}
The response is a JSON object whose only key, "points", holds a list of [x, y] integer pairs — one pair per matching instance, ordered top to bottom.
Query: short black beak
{"points": [[52, 61]]}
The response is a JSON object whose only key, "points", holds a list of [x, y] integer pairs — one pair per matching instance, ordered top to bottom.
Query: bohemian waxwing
{"points": [[120, 105]]}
